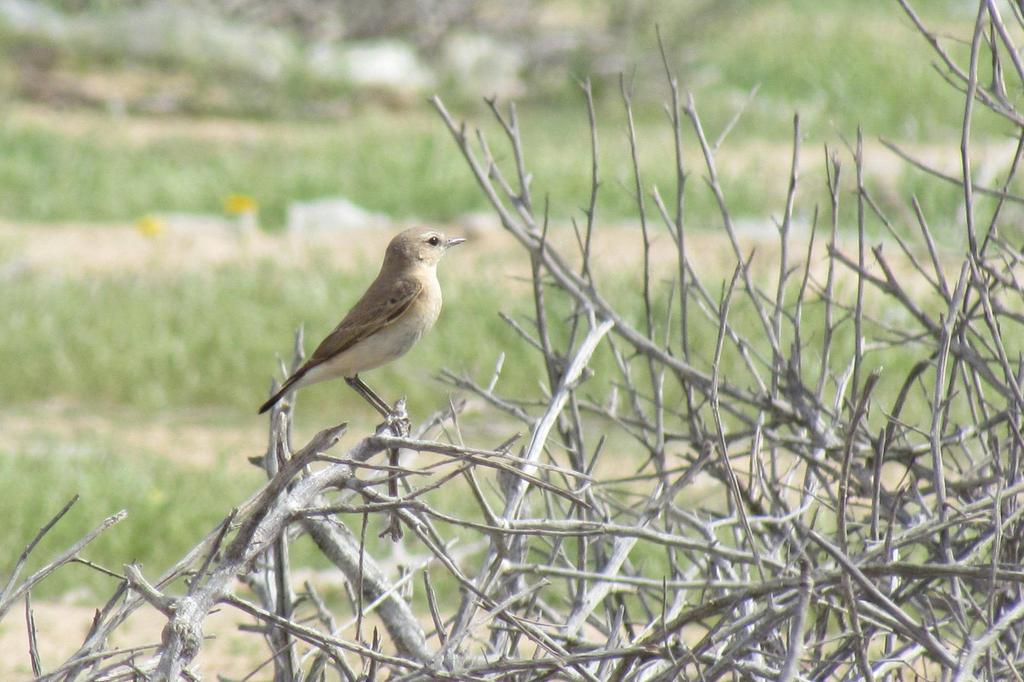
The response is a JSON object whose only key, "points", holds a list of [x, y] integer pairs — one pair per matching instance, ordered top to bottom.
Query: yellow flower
{"points": [[236, 204], [150, 226]]}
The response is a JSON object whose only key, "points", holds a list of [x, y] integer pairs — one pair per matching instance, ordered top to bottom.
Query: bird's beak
{"points": [[454, 241]]}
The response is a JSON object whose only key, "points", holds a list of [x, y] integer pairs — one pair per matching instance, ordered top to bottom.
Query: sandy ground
{"points": [[75, 249], [83, 250], [183, 437]]}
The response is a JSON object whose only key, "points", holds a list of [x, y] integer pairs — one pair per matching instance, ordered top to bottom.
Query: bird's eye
{"points": [[434, 241]]}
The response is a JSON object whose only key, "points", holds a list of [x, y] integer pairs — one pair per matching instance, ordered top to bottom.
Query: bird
{"points": [[397, 309]]}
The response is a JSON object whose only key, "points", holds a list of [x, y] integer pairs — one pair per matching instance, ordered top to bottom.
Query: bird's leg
{"points": [[360, 387], [398, 423]]}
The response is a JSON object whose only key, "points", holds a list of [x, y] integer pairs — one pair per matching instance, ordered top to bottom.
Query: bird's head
{"points": [[419, 245]]}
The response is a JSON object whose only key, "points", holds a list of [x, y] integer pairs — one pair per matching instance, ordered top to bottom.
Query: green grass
{"points": [[843, 64], [840, 66], [404, 166], [407, 167], [48, 175], [211, 339], [170, 507]]}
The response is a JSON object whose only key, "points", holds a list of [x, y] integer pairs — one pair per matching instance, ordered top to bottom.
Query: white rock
{"points": [[32, 17], [180, 31], [326, 60], [387, 64], [482, 65], [329, 215], [478, 223]]}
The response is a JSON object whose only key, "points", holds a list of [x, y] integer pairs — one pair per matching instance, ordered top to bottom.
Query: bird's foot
{"points": [[397, 420]]}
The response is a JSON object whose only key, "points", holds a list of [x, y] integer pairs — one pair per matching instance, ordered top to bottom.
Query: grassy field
{"points": [[838, 65], [403, 164], [210, 338], [169, 506]]}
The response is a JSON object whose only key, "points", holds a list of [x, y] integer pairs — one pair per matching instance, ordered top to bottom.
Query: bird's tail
{"points": [[285, 389]]}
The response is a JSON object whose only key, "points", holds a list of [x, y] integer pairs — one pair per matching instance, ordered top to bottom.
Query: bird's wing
{"points": [[380, 306]]}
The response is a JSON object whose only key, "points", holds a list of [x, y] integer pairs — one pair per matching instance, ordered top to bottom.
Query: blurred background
{"points": [[185, 184]]}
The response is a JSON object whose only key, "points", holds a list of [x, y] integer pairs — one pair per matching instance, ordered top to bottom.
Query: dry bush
{"points": [[783, 516]]}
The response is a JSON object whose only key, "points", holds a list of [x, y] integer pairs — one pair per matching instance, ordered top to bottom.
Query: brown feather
{"points": [[383, 303], [287, 386]]}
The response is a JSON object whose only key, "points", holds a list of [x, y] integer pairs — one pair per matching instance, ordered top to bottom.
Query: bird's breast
{"points": [[394, 340]]}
